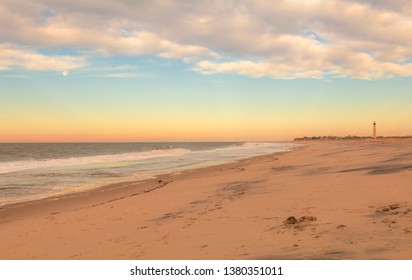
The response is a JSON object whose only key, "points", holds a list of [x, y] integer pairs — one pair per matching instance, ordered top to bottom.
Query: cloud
{"points": [[95, 35], [284, 39], [142, 43], [17, 57], [359, 66], [252, 69]]}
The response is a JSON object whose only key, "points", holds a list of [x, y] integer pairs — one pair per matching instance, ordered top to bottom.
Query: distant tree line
{"points": [[349, 137]]}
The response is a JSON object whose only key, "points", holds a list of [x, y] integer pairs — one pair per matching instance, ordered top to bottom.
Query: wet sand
{"points": [[325, 200]]}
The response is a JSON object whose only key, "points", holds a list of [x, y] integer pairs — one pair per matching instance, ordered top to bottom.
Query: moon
{"points": [[65, 73]]}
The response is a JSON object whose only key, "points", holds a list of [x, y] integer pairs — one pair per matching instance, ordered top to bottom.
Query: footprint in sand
{"points": [[394, 216], [189, 222], [293, 223], [390, 223], [407, 230], [117, 239], [165, 239], [137, 254]]}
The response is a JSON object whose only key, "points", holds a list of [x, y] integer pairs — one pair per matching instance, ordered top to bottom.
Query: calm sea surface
{"points": [[37, 170]]}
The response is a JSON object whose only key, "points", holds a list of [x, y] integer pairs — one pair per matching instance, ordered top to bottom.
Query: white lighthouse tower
{"points": [[374, 130]]}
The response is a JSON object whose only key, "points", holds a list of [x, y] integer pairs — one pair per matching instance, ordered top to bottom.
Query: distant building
{"points": [[374, 130]]}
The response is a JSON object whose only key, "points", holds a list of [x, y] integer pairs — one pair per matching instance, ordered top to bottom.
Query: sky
{"points": [[123, 70]]}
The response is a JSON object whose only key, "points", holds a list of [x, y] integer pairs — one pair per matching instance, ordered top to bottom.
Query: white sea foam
{"points": [[251, 148], [234, 151], [8, 167], [33, 179]]}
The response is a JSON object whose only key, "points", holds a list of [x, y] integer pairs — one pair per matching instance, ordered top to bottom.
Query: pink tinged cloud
{"points": [[286, 40], [12, 56]]}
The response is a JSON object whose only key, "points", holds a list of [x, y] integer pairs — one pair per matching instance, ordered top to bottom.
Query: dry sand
{"points": [[326, 200]]}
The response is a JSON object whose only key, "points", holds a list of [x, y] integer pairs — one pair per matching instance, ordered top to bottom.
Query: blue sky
{"points": [[203, 70]]}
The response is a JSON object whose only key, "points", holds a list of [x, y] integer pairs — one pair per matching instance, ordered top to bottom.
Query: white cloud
{"points": [[283, 39], [140, 43], [17, 57], [252, 69]]}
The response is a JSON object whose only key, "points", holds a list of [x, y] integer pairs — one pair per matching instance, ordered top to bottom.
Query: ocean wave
{"points": [[257, 148], [238, 150], [14, 166]]}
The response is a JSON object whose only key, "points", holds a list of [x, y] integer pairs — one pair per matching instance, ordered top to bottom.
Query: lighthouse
{"points": [[374, 130]]}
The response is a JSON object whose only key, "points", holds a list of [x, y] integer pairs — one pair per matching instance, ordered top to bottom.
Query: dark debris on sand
{"points": [[387, 209], [298, 223]]}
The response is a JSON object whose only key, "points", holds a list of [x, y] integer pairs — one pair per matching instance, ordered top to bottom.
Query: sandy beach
{"points": [[324, 200]]}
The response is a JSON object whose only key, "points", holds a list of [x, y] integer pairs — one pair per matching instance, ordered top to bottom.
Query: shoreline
{"points": [[147, 175], [120, 189], [325, 200]]}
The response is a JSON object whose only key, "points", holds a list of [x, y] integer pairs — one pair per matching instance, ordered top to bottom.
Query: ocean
{"points": [[31, 171]]}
